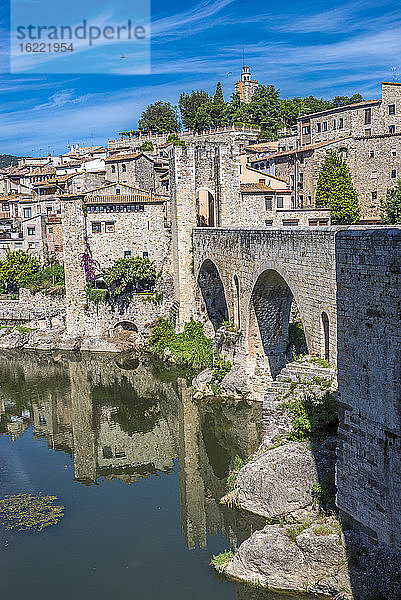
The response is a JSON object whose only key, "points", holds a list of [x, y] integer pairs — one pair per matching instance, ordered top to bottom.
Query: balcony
{"points": [[125, 199]]}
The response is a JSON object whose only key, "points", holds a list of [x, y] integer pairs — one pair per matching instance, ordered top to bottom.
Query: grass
{"points": [[19, 328], [315, 360], [238, 463], [323, 530], [293, 531], [220, 561]]}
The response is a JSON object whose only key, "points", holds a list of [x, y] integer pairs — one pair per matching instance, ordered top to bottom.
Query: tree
{"points": [[218, 96], [344, 100], [189, 104], [237, 111], [265, 111], [161, 117], [175, 140], [147, 146], [336, 191], [391, 207], [17, 266], [127, 273]]}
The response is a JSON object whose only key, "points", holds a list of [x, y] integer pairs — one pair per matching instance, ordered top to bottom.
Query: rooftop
{"points": [[339, 108]]}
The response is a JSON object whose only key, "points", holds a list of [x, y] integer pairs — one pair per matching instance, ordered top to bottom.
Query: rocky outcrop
{"points": [[53, 339], [234, 385], [279, 481], [309, 562]]}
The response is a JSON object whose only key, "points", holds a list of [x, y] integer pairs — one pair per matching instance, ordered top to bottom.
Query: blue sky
{"points": [[302, 48]]}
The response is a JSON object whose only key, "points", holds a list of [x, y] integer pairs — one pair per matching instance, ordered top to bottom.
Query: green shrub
{"points": [[125, 273], [44, 279], [96, 295], [191, 347], [312, 416], [238, 463], [293, 531], [219, 561]]}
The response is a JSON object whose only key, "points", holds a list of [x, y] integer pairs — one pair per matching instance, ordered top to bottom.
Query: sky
{"points": [[301, 48]]}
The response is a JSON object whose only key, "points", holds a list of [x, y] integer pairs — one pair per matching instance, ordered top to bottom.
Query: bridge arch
{"points": [[213, 293], [270, 306], [125, 326]]}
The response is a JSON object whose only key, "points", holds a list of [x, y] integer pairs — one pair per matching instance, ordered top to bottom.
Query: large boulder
{"points": [[279, 482], [309, 563]]}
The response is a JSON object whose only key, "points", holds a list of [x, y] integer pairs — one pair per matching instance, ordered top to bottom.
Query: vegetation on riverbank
{"points": [[22, 270]]}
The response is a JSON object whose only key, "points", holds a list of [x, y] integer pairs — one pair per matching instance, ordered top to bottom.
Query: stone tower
{"points": [[246, 87]]}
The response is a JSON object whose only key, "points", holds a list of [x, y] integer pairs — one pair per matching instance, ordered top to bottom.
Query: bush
{"points": [[16, 267], [128, 273], [44, 279], [191, 347], [313, 416], [236, 468], [219, 561]]}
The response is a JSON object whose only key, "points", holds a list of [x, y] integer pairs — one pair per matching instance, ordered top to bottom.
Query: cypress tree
{"points": [[218, 97], [336, 191]]}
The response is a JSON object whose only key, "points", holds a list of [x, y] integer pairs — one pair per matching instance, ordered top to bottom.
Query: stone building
{"points": [[246, 87], [368, 136], [137, 169], [122, 221]]}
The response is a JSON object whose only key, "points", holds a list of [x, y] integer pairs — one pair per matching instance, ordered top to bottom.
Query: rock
{"points": [[200, 381], [235, 383], [279, 482], [313, 563]]}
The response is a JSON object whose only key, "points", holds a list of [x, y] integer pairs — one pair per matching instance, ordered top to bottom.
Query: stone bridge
{"points": [[256, 276], [346, 283]]}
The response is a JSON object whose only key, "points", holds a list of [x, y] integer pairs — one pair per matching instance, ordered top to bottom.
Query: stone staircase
{"points": [[308, 375]]}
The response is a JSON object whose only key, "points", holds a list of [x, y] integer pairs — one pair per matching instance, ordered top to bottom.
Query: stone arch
{"points": [[206, 207], [213, 294], [269, 317], [125, 326], [325, 329]]}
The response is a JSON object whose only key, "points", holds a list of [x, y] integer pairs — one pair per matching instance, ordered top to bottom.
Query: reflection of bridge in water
{"points": [[126, 424]]}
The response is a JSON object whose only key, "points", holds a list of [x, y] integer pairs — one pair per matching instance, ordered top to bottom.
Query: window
{"points": [[391, 109], [368, 116], [340, 123], [334, 124], [325, 126], [318, 127], [391, 128], [306, 130], [368, 132], [393, 151], [371, 153], [301, 159], [113, 168], [124, 168], [393, 173], [373, 175], [262, 181], [292, 181], [118, 191], [374, 195], [309, 199], [280, 201], [301, 201], [268, 202], [5, 206], [49, 210], [27, 213], [268, 222], [290, 222], [318, 222], [109, 226], [96, 228], [31, 230], [50, 230], [31, 245], [56, 248], [127, 254], [145, 254], [107, 452]]}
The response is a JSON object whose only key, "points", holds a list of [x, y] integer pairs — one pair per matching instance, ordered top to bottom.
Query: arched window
{"points": [[325, 336]]}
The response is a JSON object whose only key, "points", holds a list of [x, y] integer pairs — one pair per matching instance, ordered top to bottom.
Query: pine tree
{"points": [[218, 97], [336, 191], [391, 207]]}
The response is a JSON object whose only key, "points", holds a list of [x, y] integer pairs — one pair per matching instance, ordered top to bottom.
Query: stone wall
{"points": [[368, 265], [39, 310]]}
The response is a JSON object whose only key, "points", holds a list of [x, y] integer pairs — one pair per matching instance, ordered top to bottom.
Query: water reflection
{"points": [[126, 419]]}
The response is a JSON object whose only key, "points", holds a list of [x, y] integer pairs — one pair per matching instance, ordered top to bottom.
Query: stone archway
{"points": [[206, 208], [213, 294], [125, 326], [268, 329], [325, 336]]}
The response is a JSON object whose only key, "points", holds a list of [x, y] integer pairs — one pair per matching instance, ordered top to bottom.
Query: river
{"points": [[140, 467]]}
